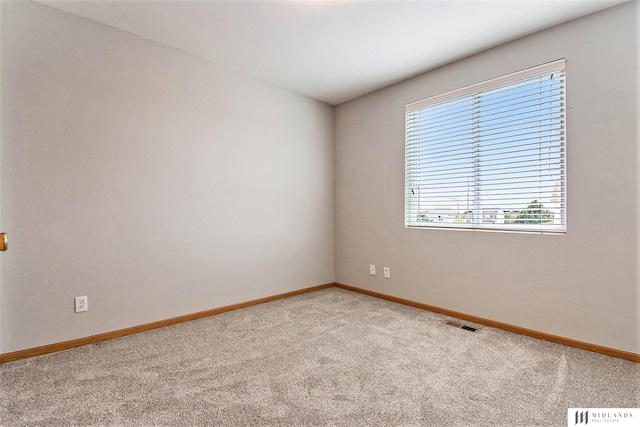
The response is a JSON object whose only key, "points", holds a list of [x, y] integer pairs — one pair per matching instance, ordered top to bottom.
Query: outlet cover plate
{"points": [[81, 304]]}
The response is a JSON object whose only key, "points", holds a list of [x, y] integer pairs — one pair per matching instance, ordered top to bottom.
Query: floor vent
{"points": [[461, 326]]}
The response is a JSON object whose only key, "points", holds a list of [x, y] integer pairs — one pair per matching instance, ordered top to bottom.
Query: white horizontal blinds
{"points": [[491, 155], [439, 162]]}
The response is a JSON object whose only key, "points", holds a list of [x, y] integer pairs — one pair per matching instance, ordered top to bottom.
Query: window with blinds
{"points": [[490, 156]]}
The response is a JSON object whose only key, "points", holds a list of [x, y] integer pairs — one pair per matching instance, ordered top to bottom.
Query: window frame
{"points": [[505, 82]]}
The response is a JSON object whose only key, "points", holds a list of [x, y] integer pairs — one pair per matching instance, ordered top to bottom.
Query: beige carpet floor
{"points": [[327, 358]]}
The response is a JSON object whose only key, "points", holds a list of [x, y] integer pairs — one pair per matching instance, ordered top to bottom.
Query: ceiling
{"points": [[332, 50]]}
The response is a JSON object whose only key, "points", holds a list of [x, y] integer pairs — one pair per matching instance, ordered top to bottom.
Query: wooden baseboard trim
{"points": [[66, 345], [622, 354]]}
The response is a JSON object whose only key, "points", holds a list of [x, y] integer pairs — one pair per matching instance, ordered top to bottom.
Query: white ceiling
{"points": [[332, 50]]}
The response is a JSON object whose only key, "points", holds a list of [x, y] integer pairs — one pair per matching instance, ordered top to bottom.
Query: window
{"points": [[490, 156]]}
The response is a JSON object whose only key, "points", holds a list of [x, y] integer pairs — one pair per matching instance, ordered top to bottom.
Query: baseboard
{"points": [[65, 345], [627, 355]]}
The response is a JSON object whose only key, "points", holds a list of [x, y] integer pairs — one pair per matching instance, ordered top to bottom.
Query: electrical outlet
{"points": [[372, 269], [387, 273], [82, 303]]}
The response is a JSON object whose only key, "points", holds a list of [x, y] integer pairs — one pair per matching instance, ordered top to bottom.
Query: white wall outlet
{"points": [[372, 269], [387, 273], [82, 304]]}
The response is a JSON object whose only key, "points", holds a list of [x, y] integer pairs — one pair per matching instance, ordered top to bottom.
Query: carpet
{"points": [[326, 358]]}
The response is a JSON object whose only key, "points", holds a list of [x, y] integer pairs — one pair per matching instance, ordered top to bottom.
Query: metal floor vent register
{"points": [[461, 326]]}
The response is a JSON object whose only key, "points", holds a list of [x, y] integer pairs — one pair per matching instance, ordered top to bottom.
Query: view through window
{"points": [[490, 156]]}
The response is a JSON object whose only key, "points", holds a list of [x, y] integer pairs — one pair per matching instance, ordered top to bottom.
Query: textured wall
{"points": [[156, 183], [582, 285]]}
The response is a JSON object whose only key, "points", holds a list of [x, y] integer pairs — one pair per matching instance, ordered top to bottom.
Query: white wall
{"points": [[154, 182], [583, 285]]}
